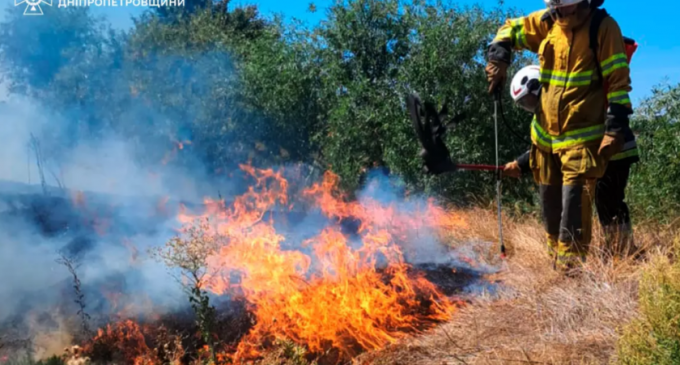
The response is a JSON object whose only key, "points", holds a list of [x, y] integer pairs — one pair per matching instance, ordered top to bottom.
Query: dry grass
{"points": [[540, 317]]}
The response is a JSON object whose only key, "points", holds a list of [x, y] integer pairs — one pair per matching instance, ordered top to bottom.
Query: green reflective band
{"points": [[515, 34], [518, 37], [617, 56], [614, 62], [561, 78], [618, 97], [539, 136], [579, 136], [568, 139], [625, 154], [570, 255], [565, 257], [565, 262]]}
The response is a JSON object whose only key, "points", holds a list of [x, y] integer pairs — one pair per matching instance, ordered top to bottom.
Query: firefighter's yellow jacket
{"points": [[572, 110]]}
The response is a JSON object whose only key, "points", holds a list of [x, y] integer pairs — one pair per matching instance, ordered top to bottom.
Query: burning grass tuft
{"points": [[333, 296]]}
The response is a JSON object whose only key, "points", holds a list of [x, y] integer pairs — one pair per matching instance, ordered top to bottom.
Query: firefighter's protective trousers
{"points": [[567, 187], [610, 195], [612, 209]]}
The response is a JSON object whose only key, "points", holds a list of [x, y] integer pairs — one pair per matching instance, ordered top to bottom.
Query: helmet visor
{"points": [[528, 102]]}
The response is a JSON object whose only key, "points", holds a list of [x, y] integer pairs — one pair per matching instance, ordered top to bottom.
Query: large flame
{"points": [[328, 292]]}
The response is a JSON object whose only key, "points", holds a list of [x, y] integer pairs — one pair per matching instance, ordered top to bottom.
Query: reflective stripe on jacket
{"points": [[572, 110], [580, 137], [629, 150], [629, 153]]}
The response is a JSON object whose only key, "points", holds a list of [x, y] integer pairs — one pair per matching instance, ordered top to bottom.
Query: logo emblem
{"points": [[33, 6], [516, 92]]}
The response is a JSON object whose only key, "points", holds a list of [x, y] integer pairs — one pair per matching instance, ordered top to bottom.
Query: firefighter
{"points": [[573, 134], [612, 210]]}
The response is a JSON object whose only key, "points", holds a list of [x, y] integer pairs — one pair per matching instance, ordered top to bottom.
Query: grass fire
{"points": [[208, 182], [334, 284], [324, 294]]}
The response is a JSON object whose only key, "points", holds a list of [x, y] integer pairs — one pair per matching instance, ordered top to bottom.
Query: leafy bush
{"points": [[374, 54], [654, 190], [654, 337]]}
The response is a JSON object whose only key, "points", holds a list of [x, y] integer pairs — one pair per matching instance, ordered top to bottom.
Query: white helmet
{"points": [[552, 4], [526, 82]]}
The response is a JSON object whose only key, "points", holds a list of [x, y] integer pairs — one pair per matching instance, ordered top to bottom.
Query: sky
{"points": [[653, 27]]}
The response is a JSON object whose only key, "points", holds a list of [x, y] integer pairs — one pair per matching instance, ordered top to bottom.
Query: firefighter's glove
{"points": [[496, 74], [617, 121], [611, 144], [436, 163], [512, 169]]}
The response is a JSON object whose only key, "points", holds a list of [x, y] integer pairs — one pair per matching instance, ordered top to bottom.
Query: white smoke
{"points": [[118, 190]]}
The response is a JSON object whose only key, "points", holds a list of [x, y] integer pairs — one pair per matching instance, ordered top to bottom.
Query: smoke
{"points": [[95, 169], [99, 178], [121, 198], [102, 199], [100, 206], [112, 206], [423, 244], [27, 266]]}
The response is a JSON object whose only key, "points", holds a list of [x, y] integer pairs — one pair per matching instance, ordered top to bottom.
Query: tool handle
{"points": [[479, 167]]}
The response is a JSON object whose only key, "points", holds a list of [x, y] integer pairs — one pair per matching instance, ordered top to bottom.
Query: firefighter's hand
{"points": [[496, 74], [610, 146], [512, 169]]}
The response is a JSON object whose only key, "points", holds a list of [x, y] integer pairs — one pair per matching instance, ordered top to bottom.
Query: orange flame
{"points": [[177, 146], [334, 296], [123, 342]]}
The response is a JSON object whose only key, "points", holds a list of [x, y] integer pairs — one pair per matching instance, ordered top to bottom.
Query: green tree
{"points": [[32, 51], [374, 53], [67, 60], [282, 84], [247, 86], [241, 88], [653, 191]]}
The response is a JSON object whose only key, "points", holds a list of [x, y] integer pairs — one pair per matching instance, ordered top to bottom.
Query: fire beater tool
{"points": [[430, 130]]}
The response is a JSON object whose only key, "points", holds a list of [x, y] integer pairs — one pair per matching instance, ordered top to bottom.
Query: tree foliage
{"points": [[375, 53], [242, 88], [653, 191]]}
